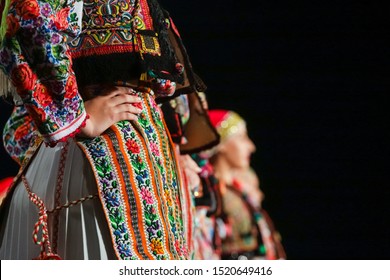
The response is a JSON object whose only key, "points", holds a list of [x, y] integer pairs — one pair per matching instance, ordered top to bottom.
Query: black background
{"points": [[311, 78]]}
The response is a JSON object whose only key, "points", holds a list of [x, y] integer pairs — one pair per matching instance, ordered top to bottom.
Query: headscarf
{"points": [[227, 123]]}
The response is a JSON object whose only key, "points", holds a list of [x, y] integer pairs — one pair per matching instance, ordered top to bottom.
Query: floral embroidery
{"points": [[27, 9], [46, 10], [62, 18], [42, 72], [23, 78], [71, 88], [41, 95], [18, 134], [133, 147], [154, 148], [143, 177], [109, 185], [135, 186], [150, 187], [147, 196], [157, 246]]}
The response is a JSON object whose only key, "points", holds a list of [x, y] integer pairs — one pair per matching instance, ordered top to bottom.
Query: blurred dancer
{"points": [[246, 232]]}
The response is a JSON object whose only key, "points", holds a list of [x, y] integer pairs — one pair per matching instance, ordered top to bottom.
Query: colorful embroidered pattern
{"points": [[108, 27], [34, 55], [17, 134], [134, 164], [138, 181]]}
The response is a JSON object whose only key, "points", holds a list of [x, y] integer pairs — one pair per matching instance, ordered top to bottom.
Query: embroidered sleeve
{"points": [[35, 55], [17, 133]]}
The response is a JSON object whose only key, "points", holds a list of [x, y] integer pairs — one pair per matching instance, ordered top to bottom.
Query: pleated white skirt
{"points": [[82, 229]]}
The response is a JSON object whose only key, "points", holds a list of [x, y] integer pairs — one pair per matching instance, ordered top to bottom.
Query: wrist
{"points": [[86, 130]]}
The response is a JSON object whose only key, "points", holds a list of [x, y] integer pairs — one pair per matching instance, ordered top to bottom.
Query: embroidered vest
{"points": [[121, 39]]}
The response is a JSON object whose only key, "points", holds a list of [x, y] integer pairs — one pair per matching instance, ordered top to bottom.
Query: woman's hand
{"points": [[117, 104]]}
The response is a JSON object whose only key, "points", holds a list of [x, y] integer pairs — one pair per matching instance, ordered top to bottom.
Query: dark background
{"points": [[311, 79]]}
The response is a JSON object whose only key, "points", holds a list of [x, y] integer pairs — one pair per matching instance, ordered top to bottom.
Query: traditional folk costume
{"points": [[192, 130], [118, 195], [208, 208], [248, 231], [252, 234]]}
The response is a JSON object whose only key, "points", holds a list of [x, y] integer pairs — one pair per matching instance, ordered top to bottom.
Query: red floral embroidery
{"points": [[27, 9], [62, 19], [12, 26], [23, 78], [71, 87], [42, 95], [37, 114], [23, 130], [132, 146]]}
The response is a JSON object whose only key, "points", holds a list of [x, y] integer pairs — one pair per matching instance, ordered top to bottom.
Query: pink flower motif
{"points": [[154, 105], [154, 148], [146, 195], [178, 247], [184, 251]]}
